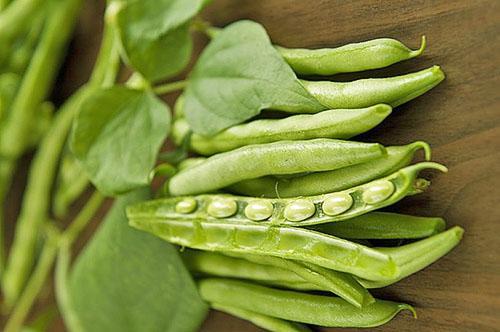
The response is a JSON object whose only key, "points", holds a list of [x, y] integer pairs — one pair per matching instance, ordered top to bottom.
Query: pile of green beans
{"points": [[275, 208]]}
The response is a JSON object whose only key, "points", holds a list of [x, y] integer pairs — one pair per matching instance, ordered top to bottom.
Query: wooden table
{"points": [[460, 119]]}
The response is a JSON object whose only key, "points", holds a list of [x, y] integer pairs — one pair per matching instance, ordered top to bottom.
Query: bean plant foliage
{"points": [[155, 35], [239, 74], [111, 135], [117, 137], [127, 280]]}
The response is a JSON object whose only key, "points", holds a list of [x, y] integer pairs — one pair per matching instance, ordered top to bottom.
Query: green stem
{"points": [[13, 19], [38, 79], [170, 87], [6, 172], [36, 201], [83, 218], [55, 241], [35, 284], [61, 286]]}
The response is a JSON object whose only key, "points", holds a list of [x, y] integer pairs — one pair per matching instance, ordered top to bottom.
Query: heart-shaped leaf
{"points": [[155, 35], [238, 74], [117, 135], [130, 281]]}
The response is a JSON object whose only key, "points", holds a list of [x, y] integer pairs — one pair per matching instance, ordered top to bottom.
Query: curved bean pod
{"points": [[372, 54], [365, 92], [340, 124], [284, 157], [190, 162], [330, 181], [310, 210], [384, 225], [260, 239], [415, 256], [208, 263], [220, 265], [274, 269], [341, 284], [299, 307], [268, 323]]}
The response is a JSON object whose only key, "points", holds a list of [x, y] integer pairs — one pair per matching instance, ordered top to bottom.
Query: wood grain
{"points": [[460, 119]]}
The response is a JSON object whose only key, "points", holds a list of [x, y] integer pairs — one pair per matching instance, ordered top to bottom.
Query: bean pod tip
{"points": [[421, 49]]}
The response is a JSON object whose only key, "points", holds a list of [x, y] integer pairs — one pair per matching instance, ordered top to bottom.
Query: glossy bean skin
{"points": [[372, 54], [393, 91], [340, 124], [284, 157], [329, 181], [404, 182], [384, 225], [286, 242], [415, 256], [214, 264], [220, 265], [341, 284], [300, 307], [268, 323]]}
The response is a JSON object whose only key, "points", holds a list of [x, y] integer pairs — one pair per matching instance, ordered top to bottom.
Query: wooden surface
{"points": [[460, 119]]}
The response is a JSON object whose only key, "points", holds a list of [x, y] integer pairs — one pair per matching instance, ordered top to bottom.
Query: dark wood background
{"points": [[460, 119]]}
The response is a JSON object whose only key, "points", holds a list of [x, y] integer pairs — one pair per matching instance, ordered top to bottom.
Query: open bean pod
{"points": [[329, 181], [304, 211], [293, 243]]}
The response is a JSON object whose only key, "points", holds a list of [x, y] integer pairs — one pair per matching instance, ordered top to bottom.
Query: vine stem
{"points": [[15, 15], [38, 78], [170, 87], [6, 172], [35, 207], [55, 242], [36, 282]]}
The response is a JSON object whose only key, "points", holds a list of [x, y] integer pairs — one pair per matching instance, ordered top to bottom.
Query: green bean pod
{"points": [[372, 54], [393, 91], [340, 124], [284, 157], [190, 162], [329, 181], [306, 211], [384, 225], [286, 242], [415, 256], [208, 263], [220, 265], [271, 269], [341, 284], [299, 307], [268, 323]]}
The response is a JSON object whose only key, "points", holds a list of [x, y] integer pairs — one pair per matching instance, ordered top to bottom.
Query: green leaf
{"points": [[155, 35], [238, 74], [117, 135], [129, 281]]}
